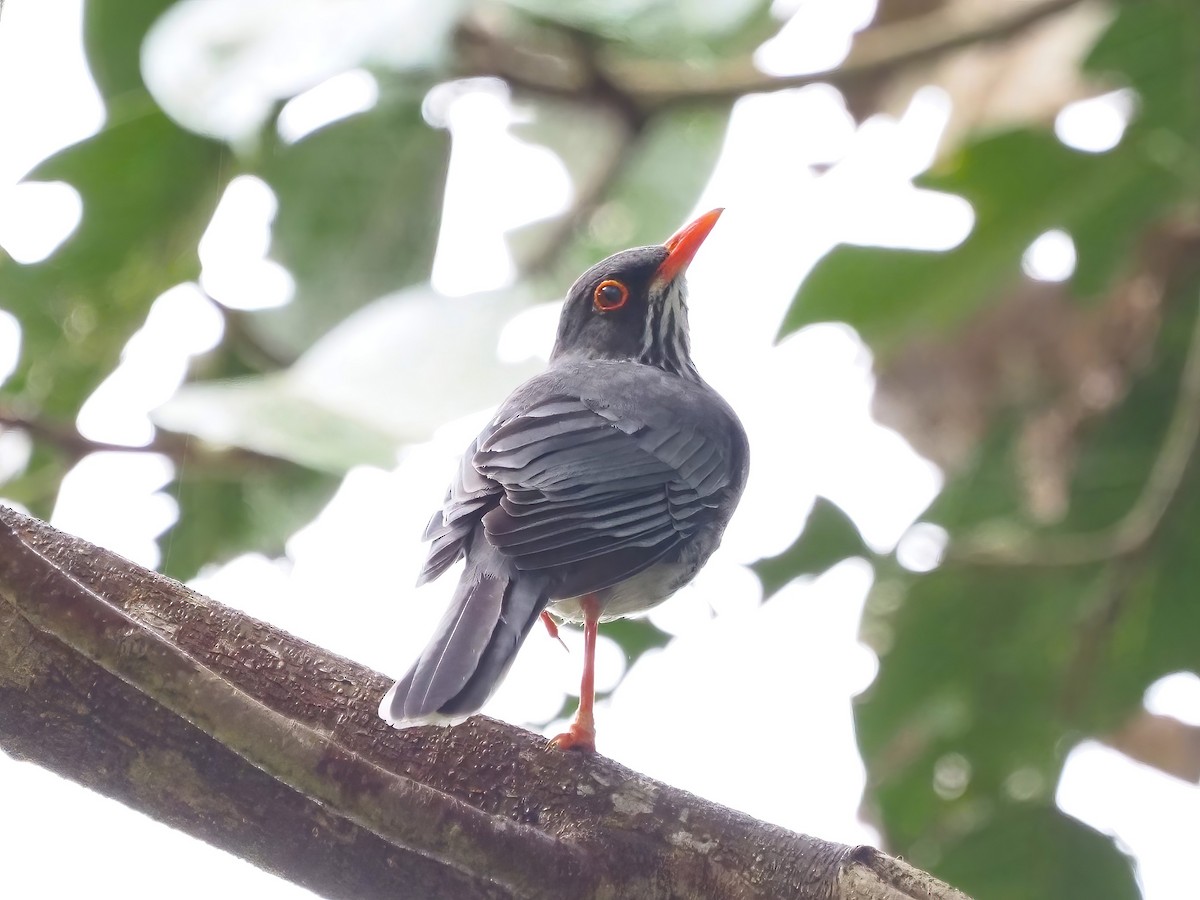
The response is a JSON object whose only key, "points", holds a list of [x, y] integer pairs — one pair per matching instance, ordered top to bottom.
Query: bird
{"points": [[599, 488]]}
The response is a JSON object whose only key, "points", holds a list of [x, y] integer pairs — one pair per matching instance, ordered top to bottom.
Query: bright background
{"points": [[748, 693]]}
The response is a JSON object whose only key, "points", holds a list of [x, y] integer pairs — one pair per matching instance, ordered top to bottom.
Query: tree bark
{"points": [[270, 748]]}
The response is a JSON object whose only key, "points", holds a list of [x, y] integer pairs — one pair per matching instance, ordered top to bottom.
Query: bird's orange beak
{"points": [[682, 245]]}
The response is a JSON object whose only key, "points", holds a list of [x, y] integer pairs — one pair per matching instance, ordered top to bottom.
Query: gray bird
{"points": [[599, 489]]}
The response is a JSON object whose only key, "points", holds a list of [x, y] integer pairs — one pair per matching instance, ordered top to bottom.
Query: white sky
{"points": [[735, 664]]}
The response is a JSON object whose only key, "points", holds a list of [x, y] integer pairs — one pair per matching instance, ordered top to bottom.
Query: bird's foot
{"points": [[552, 628], [577, 737]]}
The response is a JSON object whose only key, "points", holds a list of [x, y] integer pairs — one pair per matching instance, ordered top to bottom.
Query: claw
{"points": [[577, 737]]}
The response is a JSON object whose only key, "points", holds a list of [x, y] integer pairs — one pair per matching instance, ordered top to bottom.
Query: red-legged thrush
{"points": [[599, 489]]}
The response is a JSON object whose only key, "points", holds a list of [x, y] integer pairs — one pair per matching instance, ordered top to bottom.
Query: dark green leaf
{"points": [[113, 32], [1155, 48], [1020, 184], [656, 187], [148, 190], [359, 211], [36, 488], [222, 515], [829, 536], [635, 636], [996, 670], [975, 671], [1038, 852]]}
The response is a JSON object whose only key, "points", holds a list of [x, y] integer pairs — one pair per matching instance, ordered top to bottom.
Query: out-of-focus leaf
{"points": [[689, 28], [113, 31], [1155, 47], [221, 66], [587, 139], [1024, 183], [1021, 184], [148, 189], [655, 189], [360, 205], [359, 212], [388, 375], [270, 414], [36, 486], [222, 515], [829, 536], [1143, 628], [636, 636], [989, 671], [973, 673], [1027, 852]]}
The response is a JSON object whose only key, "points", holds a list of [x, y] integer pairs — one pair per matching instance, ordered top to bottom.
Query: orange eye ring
{"points": [[610, 295]]}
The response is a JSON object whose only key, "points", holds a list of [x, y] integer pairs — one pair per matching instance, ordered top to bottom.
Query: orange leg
{"points": [[552, 627], [582, 733]]}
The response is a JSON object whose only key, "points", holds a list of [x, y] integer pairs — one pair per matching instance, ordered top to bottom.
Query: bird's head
{"points": [[633, 305]]}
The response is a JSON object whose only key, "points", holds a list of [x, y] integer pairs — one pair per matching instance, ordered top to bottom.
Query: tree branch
{"points": [[655, 83], [588, 199], [181, 449], [1163, 742], [271, 748], [397, 809]]}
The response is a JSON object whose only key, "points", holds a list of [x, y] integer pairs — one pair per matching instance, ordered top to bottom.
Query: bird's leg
{"points": [[552, 627], [582, 733]]}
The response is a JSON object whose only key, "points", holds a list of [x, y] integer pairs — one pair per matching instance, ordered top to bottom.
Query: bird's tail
{"points": [[494, 607]]}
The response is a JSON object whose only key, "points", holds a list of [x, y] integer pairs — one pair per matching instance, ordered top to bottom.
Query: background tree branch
{"points": [[551, 65], [181, 449], [1163, 742], [270, 748]]}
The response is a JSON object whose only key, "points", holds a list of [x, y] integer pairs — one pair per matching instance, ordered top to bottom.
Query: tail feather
{"points": [[474, 646]]}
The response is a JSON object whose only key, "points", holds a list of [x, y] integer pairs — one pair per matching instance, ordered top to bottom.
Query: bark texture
{"points": [[269, 747]]}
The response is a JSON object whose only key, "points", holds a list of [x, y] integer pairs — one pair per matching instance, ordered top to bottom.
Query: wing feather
{"points": [[558, 480], [582, 482]]}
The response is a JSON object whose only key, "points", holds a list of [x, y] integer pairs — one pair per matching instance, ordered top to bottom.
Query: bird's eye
{"points": [[610, 295]]}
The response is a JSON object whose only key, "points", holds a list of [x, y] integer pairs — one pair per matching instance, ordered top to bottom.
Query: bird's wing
{"points": [[583, 483], [469, 496]]}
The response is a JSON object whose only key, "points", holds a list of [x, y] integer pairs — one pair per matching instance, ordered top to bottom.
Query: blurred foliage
{"points": [[381, 168], [829, 536], [1047, 618], [1039, 628]]}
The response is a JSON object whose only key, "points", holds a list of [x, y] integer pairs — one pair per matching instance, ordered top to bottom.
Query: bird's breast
{"points": [[638, 594]]}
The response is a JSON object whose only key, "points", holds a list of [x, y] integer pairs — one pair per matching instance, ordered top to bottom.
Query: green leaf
{"points": [[688, 28], [113, 32], [1155, 47], [586, 138], [1024, 183], [1021, 184], [656, 188], [148, 189], [359, 211], [388, 375], [36, 487], [224, 514], [829, 536], [636, 636], [996, 670], [974, 671], [1038, 852]]}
